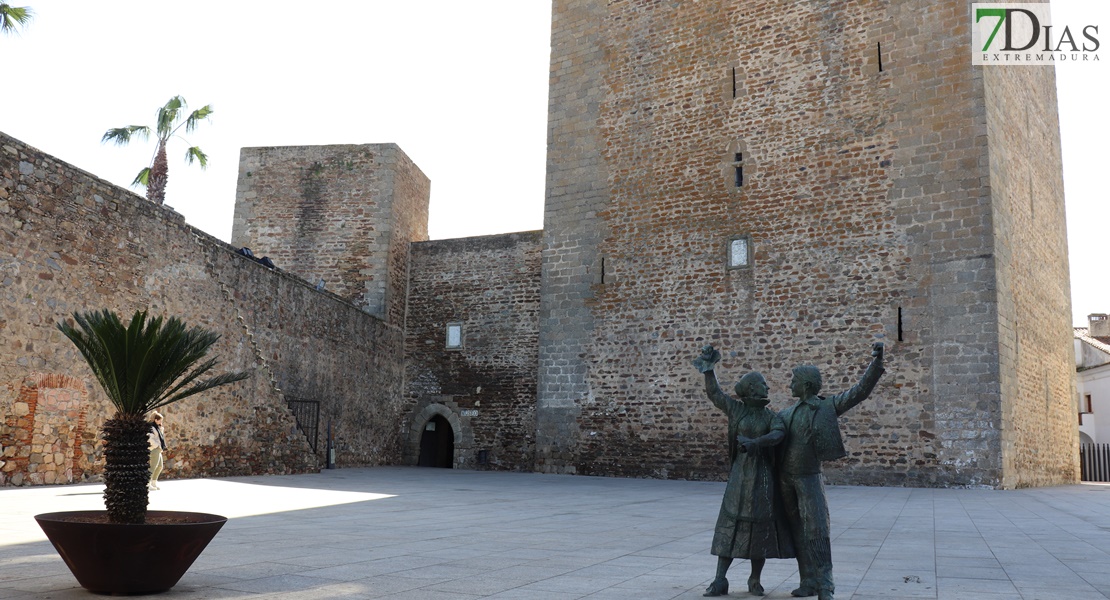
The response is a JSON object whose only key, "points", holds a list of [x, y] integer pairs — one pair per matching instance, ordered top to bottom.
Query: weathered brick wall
{"points": [[867, 203], [343, 213], [72, 242], [491, 285], [1040, 440]]}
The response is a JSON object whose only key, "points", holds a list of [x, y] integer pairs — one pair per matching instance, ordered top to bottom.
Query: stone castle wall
{"points": [[884, 187], [577, 191], [870, 211], [939, 211], [344, 213], [407, 223], [72, 242], [490, 285], [1040, 439]]}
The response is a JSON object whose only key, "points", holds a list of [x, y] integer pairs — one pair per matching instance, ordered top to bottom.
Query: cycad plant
{"points": [[140, 366]]}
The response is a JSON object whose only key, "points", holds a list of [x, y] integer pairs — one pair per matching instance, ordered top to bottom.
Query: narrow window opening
{"points": [[879, 49], [734, 82], [732, 167], [598, 271], [899, 323], [1087, 403]]}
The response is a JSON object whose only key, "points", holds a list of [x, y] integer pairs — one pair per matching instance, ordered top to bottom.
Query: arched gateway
{"points": [[437, 436]]}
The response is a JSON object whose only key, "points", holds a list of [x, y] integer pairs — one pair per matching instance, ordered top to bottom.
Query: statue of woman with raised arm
{"points": [[751, 524]]}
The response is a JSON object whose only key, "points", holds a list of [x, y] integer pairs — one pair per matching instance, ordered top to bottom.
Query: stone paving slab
{"points": [[427, 534]]}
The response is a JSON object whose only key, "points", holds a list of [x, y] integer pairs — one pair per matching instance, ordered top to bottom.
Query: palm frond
{"points": [[12, 16], [167, 115], [196, 116], [122, 135], [195, 153], [143, 178], [98, 341], [94, 346], [137, 365], [190, 377], [204, 386]]}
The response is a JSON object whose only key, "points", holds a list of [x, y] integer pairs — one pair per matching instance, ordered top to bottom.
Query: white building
{"points": [[1092, 364]]}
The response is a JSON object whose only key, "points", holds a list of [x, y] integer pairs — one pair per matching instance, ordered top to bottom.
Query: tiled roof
{"points": [[1101, 342]]}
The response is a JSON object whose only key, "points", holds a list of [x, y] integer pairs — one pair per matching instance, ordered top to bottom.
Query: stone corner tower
{"points": [[790, 181], [344, 214]]}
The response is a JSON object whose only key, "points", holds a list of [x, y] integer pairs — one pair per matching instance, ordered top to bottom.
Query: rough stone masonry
{"points": [[788, 180], [919, 202], [72, 242]]}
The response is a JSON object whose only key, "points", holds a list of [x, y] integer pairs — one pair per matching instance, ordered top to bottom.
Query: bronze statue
{"points": [[813, 436], [751, 524]]}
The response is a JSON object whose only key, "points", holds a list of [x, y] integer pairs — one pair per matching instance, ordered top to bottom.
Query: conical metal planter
{"points": [[116, 558]]}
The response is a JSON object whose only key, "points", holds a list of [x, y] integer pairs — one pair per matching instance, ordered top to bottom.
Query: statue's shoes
{"points": [[719, 587], [754, 588], [803, 592]]}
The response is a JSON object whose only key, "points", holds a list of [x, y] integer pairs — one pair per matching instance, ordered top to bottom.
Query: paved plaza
{"points": [[414, 533]]}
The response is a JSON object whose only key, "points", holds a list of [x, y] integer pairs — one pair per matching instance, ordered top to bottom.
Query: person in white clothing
{"points": [[157, 439]]}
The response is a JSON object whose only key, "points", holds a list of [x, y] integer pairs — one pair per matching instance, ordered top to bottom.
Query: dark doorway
{"points": [[437, 444]]}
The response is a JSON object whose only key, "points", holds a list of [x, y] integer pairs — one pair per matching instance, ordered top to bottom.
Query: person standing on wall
{"points": [[157, 439]]}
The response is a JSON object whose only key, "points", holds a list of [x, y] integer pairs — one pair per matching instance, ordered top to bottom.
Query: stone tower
{"points": [[791, 180], [344, 214]]}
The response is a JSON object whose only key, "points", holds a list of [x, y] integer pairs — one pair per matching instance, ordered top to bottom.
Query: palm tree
{"points": [[12, 16], [167, 125], [141, 366]]}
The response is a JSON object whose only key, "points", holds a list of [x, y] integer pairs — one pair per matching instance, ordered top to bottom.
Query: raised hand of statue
{"points": [[877, 352], [708, 359]]}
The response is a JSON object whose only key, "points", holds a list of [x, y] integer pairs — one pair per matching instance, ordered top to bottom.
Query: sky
{"points": [[461, 87]]}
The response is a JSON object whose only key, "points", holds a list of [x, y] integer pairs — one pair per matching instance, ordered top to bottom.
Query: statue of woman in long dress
{"points": [[751, 524]]}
